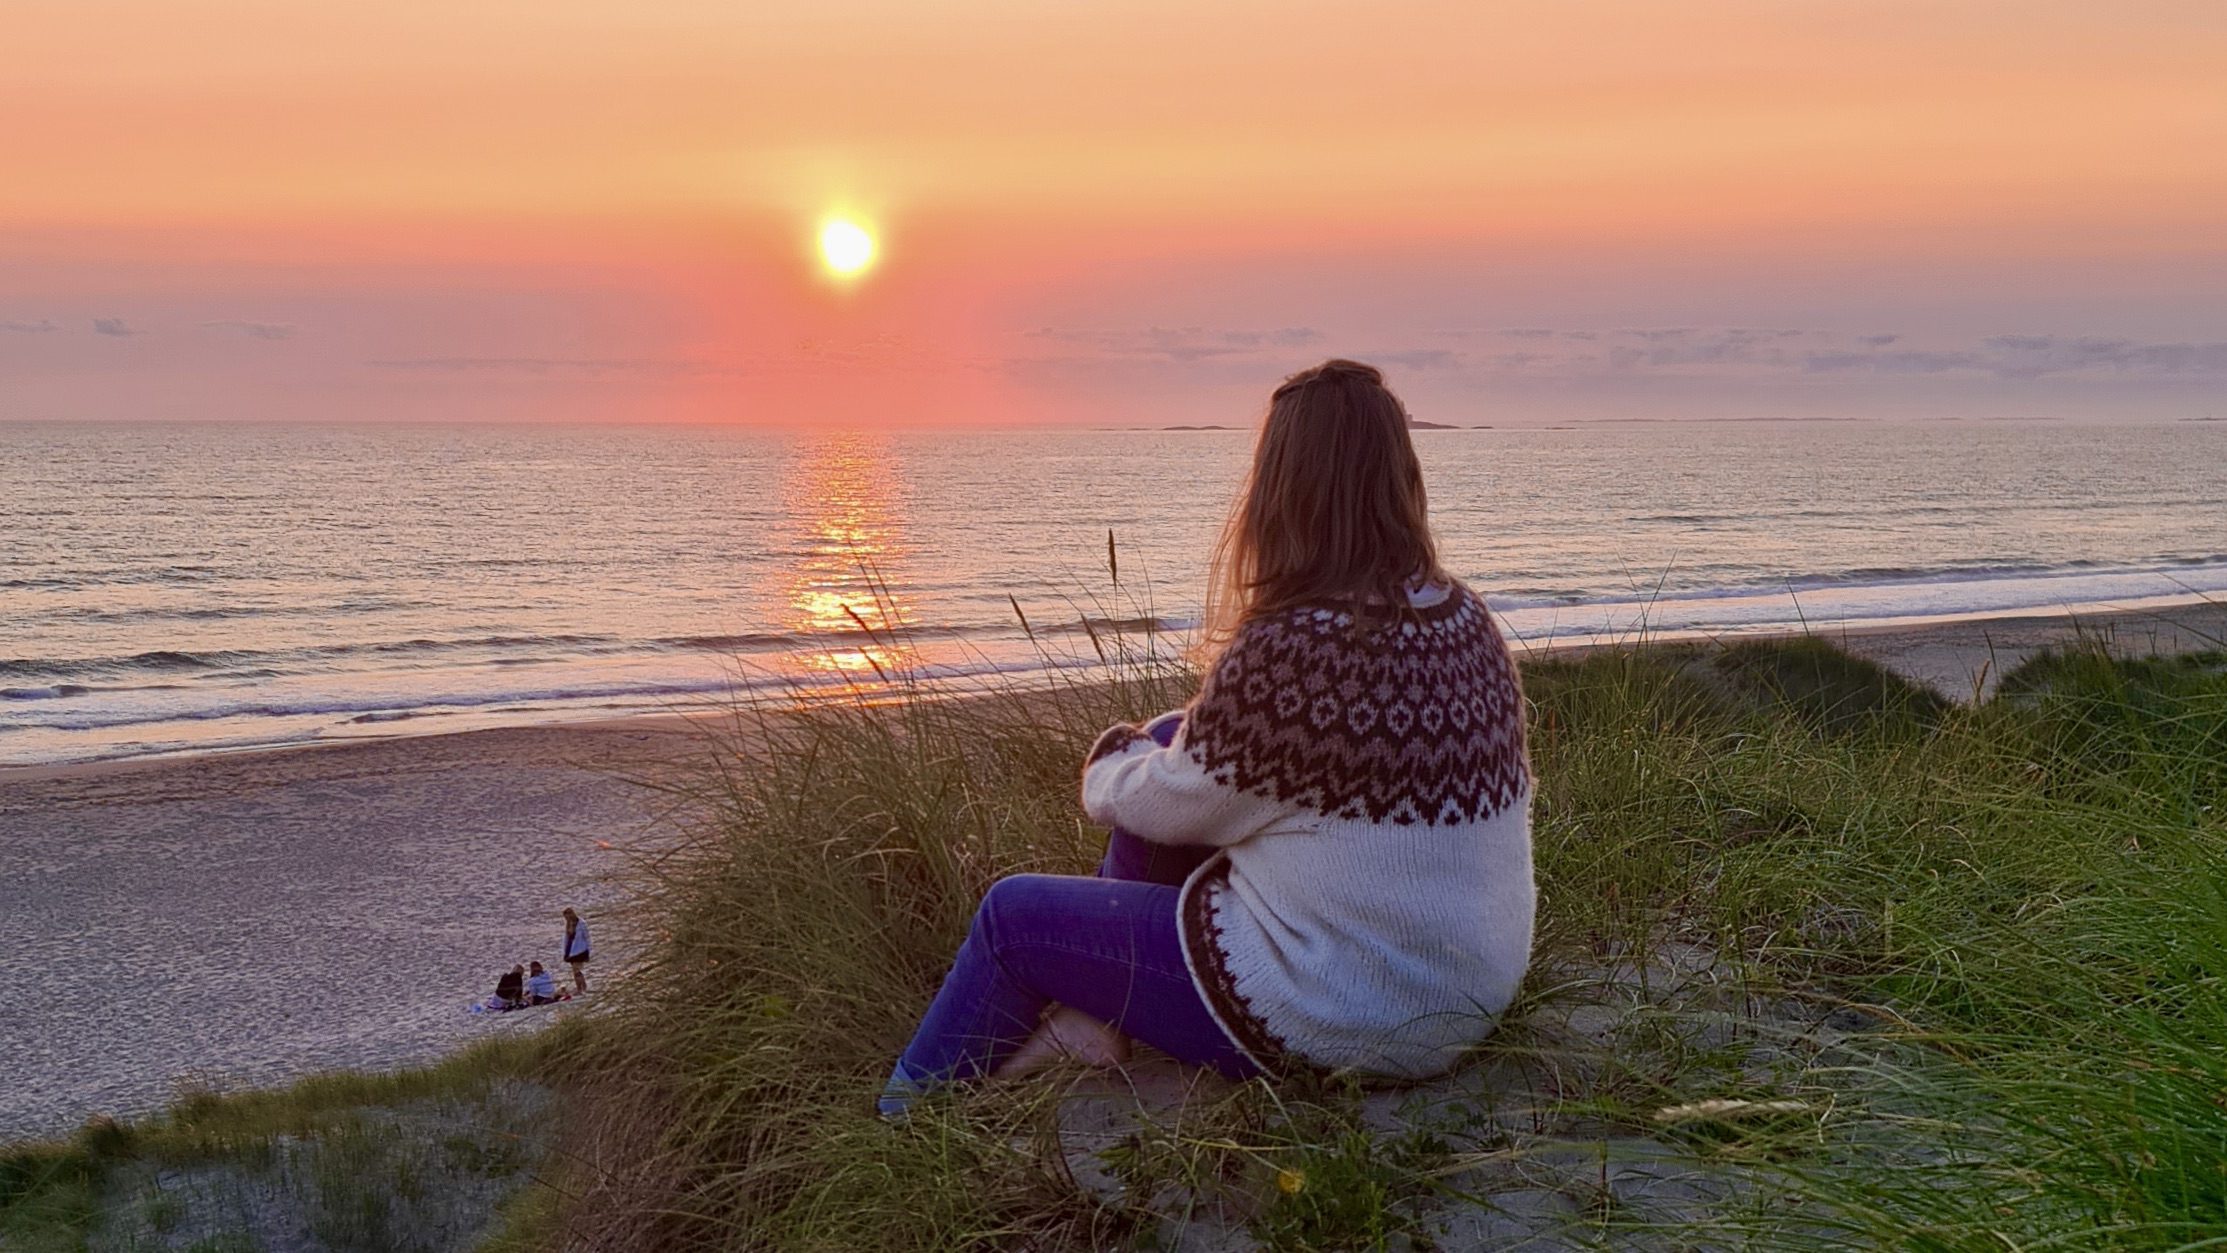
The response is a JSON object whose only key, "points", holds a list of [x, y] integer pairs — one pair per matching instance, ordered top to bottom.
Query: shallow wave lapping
{"points": [[1885, 578], [499, 650], [160, 660], [244, 662], [102, 719]]}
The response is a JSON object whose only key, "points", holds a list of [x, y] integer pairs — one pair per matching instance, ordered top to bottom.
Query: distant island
{"points": [[1413, 424]]}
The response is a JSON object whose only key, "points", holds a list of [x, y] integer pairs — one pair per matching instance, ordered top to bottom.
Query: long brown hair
{"points": [[1333, 509]]}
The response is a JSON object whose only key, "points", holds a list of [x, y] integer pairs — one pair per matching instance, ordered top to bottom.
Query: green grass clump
{"points": [[1831, 690], [2101, 723], [203, 1124], [347, 1142], [1337, 1184], [48, 1196]]}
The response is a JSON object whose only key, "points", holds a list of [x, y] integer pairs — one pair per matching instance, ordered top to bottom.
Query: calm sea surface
{"points": [[181, 587]]}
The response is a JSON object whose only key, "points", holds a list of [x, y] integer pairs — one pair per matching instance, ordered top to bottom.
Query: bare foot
{"points": [[1067, 1035]]}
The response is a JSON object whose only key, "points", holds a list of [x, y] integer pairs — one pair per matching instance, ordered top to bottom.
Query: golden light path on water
{"points": [[848, 498]]}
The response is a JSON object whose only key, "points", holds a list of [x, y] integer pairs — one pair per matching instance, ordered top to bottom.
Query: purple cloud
{"points": [[253, 330]]}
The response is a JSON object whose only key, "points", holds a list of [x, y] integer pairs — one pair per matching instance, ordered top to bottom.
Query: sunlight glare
{"points": [[846, 247]]}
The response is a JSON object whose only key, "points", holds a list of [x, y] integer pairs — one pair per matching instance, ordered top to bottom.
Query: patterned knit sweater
{"points": [[1371, 906]]}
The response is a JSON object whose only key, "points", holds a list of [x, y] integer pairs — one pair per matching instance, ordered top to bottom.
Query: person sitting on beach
{"points": [[1324, 861], [576, 948], [540, 987], [510, 989]]}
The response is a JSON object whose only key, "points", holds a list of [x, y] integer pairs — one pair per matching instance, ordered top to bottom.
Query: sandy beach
{"points": [[1965, 659], [243, 919]]}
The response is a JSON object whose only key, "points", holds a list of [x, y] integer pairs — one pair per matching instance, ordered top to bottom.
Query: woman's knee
{"points": [[1009, 905]]}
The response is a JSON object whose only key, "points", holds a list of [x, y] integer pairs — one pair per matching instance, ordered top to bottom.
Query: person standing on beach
{"points": [[1323, 863], [576, 947]]}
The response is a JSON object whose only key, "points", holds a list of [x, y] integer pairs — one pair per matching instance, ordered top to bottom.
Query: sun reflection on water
{"points": [[847, 499]]}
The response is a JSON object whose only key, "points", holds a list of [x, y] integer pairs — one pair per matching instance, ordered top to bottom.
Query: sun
{"points": [[846, 247]]}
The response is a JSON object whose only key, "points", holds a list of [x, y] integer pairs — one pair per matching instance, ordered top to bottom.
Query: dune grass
{"points": [[2025, 895], [2017, 904], [361, 1161]]}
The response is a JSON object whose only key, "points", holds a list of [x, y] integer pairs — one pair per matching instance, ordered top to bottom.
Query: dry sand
{"points": [[1962, 660], [248, 918]]}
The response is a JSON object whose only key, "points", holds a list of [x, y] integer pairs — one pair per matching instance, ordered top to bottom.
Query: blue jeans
{"points": [[1108, 946]]}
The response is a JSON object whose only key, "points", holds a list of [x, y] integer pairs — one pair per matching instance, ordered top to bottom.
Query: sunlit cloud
{"points": [[1763, 352], [2032, 355], [1902, 362]]}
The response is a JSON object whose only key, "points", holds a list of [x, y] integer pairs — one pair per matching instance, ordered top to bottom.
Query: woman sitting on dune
{"points": [[1324, 861]]}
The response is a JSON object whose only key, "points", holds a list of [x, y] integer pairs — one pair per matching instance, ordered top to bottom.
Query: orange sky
{"points": [[1108, 211]]}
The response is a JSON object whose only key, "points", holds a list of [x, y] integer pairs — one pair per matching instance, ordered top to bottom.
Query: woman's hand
{"points": [[1112, 740]]}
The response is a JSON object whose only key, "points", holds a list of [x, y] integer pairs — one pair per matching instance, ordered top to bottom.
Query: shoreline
{"points": [[1955, 655], [682, 724]]}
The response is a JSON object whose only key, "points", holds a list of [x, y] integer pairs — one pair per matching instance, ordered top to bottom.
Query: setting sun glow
{"points": [[846, 248]]}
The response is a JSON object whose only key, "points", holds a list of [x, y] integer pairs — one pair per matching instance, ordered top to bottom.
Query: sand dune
{"points": [[248, 918]]}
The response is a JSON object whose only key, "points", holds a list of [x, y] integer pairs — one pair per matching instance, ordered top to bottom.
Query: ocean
{"points": [[168, 588]]}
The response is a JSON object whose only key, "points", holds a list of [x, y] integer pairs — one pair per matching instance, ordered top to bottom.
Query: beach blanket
{"points": [[497, 1005]]}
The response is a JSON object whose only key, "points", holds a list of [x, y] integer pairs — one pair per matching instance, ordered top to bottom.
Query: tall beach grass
{"points": [[2023, 896]]}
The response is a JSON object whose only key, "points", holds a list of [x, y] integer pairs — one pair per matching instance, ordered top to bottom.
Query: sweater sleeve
{"points": [[1168, 794]]}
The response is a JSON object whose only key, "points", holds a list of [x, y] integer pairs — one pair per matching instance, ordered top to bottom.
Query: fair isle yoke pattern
{"points": [[1419, 720]]}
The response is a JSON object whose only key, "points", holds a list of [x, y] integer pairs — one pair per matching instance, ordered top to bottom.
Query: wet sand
{"points": [[243, 919]]}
